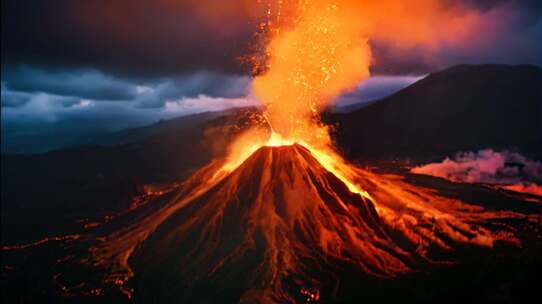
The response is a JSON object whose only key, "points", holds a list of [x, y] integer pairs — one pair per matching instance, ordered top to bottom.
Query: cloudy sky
{"points": [[107, 65]]}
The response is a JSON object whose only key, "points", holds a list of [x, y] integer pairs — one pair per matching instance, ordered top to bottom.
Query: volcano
{"points": [[282, 228], [259, 233]]}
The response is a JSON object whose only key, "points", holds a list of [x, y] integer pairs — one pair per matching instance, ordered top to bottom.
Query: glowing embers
{"points": [[314, 54], [66, 238]]}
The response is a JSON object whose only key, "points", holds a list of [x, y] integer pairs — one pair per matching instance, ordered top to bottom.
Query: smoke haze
{"points": [[508, 170]]}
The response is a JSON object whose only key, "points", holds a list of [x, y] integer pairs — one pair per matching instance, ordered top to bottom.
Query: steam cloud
{"points": [[505, 169]]}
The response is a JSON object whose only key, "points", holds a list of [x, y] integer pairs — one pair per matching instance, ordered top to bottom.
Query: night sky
{"points": [[106, 65]]}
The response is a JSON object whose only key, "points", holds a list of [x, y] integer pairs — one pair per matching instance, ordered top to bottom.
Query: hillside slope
{"points": [[464, 107]]}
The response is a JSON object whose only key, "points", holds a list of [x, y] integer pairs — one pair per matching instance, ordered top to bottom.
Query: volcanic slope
{"points": [[281, 228]]}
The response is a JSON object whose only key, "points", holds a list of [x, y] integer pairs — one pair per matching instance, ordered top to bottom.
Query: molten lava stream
{"points": [[265, 227]]}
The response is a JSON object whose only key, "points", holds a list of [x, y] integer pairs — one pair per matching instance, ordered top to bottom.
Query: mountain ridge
{"points": [[465, 107]]}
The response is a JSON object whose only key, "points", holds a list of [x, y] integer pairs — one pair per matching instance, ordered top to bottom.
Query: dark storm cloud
{"points": [[505, 32], [127, 36], [163, 37], [19, 84], [83, 84], [194, 85], [32, 97], [13, 99]]}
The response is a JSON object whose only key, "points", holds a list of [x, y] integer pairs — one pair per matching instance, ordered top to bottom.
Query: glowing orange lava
{"points": [[310, 62]]}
